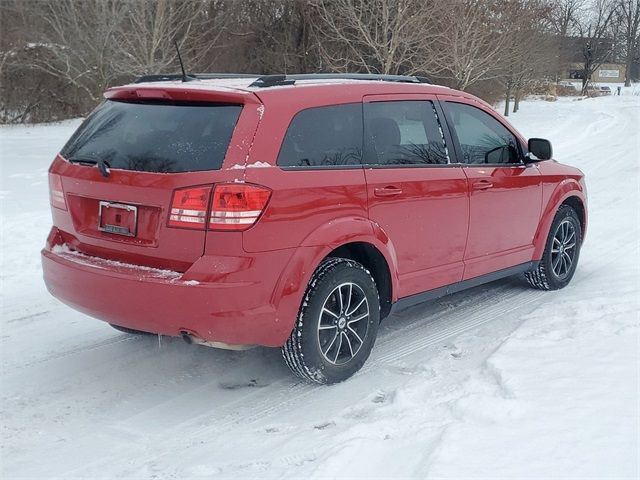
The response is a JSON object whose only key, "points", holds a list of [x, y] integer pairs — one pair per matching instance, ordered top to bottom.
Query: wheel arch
{"points": [[568, 192], [576, 203], [356, 238], [374, 261]]}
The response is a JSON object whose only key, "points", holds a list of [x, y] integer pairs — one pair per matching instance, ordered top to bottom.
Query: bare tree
{"points": [[564, 16], [628, 20], [564, 23], [149, 28], [279, 35], [374, 36], [80, 42], [91, 44], [597, 45], [468, 46], [529, 55], [58, 56]]}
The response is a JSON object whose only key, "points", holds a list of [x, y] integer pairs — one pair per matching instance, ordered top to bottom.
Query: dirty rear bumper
{"points": [[158, 301]]}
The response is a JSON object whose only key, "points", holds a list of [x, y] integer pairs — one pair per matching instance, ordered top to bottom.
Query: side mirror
{"points": [[539, 149]]}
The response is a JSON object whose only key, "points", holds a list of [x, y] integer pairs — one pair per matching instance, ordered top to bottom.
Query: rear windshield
{"points": [[154, 137]]}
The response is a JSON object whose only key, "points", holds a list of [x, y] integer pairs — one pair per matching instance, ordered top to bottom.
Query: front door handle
{"points": [[482, 185], [388, 191]]}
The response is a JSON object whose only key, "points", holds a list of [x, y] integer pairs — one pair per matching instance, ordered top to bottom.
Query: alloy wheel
{"points": [[563, 249], [343, 323]]}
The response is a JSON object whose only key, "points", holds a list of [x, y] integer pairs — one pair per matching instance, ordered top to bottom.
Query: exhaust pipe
{"points": [[192, 339]]}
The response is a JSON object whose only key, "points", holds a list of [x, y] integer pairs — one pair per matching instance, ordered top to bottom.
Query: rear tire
{"points": [[561, 253], [337, 323], [129, 330]]}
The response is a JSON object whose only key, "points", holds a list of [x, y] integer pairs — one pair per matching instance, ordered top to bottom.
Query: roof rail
{"points": [[197, 76], [274, 80], [277, 80]]}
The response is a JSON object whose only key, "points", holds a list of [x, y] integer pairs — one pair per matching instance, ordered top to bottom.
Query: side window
{"points": [[403, 133], [324, 136], [483, 139]]}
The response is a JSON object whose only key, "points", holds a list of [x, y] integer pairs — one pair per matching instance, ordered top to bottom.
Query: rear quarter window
{"points": [[324, 136], [155, 137]]}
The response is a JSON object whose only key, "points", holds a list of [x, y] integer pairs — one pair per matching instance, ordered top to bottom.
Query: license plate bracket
{"points": [[118, 218]]}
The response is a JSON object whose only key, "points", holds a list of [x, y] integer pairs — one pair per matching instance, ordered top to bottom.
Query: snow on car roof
{"points": [[245, 83]]}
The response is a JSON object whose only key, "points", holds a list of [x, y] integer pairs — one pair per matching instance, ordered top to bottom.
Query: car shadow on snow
{"points": [[261, 367]]}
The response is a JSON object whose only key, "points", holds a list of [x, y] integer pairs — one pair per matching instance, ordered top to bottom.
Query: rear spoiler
{"points": [[181, 93]]}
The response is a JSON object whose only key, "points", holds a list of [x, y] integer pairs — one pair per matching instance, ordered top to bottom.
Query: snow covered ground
{"points": [[497, 382]]}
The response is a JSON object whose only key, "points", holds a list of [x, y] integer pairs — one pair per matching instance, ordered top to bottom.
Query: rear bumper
{"points": [[159, 301]]}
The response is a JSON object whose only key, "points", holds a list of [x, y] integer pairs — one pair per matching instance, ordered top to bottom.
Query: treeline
{"points": [[58, 56]]}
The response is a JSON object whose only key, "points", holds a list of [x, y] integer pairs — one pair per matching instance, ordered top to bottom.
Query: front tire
{"points": [[561, 253], [337, 323]]}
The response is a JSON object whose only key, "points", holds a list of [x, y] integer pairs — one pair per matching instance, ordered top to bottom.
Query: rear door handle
{"points": [[482, 185], [388, 191]]}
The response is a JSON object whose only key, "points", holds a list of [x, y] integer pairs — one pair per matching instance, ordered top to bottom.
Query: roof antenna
{"points": [[185, 77]]}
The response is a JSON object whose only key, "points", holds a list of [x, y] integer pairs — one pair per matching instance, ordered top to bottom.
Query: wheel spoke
{"points": [[571, 237], [569, 246], [556, 262], [364, 299], [341, 301], [348, 303], [326, 310], [357, 319], [326, 327], [355, 334], [348, 343], [338, 350], [326, 352]]}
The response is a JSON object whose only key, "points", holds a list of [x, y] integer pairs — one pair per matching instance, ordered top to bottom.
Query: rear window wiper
{"points": [[102, 165]]}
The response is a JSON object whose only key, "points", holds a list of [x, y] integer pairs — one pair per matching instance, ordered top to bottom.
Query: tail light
{"points": [[56, 192], [234, 206], [237, 206], [189, 208]]}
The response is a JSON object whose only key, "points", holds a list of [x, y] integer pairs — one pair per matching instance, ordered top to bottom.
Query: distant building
{"points": [[571, 51], [608, 72]]}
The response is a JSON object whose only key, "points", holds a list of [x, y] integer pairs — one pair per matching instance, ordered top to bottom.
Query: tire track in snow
{"points": [[432, 323], [444, 323], [71, 351], [261, 404]]}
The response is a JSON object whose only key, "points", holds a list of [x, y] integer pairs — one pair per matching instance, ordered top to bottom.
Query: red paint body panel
{"points": [[559, 183], [503, 219], [427, 223], [247, 287], [221, 297]]}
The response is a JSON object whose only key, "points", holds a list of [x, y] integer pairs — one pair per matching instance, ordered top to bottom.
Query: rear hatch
{"points": [[134, 182]]}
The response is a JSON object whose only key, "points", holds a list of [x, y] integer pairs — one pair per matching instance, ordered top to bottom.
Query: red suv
{"points": [[298, 211]]}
